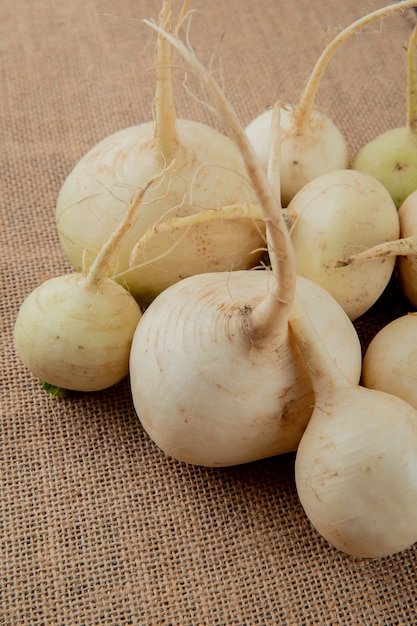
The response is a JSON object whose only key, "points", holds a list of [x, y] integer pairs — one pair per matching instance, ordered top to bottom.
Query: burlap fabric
{"points": [[97, 525]]}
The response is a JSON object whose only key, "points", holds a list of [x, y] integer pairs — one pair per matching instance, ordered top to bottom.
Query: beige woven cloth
{"points": [[97, 525]]}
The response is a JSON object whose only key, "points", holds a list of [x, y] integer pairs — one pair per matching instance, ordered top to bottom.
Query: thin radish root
{"points": [[399, 247]]}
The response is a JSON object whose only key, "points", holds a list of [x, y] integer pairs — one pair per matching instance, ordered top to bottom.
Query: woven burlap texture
{"points": [[97, 525]]}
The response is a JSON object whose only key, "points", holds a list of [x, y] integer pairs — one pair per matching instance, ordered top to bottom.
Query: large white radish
{"points": [[208, 173], [207, 391]]}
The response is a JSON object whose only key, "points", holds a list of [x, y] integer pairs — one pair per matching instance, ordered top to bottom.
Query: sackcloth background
{"points": [[97, 525]]}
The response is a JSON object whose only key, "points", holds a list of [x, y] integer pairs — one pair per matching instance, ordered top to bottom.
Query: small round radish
{"points": [[307, 151], [392, 156], [334, 216], [77, 335], [390, 361]]}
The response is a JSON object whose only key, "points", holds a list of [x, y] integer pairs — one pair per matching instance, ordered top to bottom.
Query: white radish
{"points": [[311, 144], [392, 156], [209, 173], [334, 216], [404, 249], [75, 331], [76, 334], [390, 361], [216, 377], [207, 391], [356, 464]]}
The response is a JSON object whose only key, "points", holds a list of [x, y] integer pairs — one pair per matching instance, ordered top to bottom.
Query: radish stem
{"points": [[305, 106], [166, 137], [274, 161], [99, 268], [275, 308]]}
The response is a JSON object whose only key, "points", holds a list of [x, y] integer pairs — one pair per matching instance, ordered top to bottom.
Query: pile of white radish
{"points": [[403, 249], [230, 364], [229, 384], [355, 469]]}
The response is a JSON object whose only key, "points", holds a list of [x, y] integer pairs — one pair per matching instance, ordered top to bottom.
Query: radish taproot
{"points": [[311, 144], [392, 156], [209, 173], [75, 331], [226, 379], [356, 463]]}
